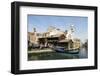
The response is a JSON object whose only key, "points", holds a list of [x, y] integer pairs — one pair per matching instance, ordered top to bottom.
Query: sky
{"points": [[42, 22]]}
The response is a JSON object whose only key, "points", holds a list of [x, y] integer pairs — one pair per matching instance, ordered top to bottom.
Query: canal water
{"points": [[83, 53]]}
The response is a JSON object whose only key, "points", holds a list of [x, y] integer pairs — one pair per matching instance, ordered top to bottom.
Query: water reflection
{"points": [[83, 53]]}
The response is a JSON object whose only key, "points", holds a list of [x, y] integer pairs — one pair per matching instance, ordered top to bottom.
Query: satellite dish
{"points": [[72, 28]]}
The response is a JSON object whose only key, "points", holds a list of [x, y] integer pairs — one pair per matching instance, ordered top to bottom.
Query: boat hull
{"points": [[62, 50], [72, 51]]}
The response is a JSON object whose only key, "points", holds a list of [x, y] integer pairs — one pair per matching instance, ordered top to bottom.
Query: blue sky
{"points": [[42, 22]]}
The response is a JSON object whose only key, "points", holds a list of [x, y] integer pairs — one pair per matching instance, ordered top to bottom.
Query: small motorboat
{"points": [[58, 49], [63, 50], [72, 51]]}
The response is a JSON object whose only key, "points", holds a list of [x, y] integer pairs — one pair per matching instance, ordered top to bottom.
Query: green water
{"points": [[56, 55]]}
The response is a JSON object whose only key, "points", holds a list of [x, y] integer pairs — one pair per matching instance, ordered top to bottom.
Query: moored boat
{"points": [[58, 49], [63, 50], [76, 51]]}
